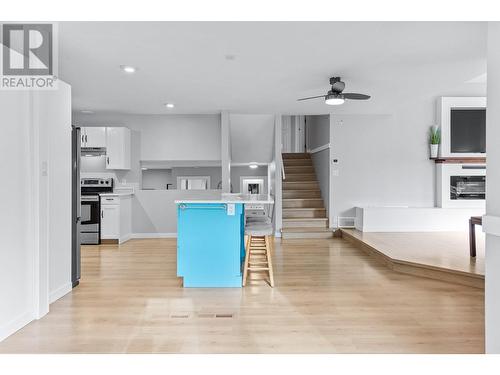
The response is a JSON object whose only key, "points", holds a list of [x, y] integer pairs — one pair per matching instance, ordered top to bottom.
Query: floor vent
{"points": [[346, 222], [206, 315], [224, 315], [179, 316]]}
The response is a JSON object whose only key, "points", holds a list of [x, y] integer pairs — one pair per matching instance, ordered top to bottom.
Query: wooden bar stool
{"points": [[258, 250]]}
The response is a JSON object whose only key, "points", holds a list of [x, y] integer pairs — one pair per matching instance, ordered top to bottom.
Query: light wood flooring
{"points": [[449, 250], [329, 297]]}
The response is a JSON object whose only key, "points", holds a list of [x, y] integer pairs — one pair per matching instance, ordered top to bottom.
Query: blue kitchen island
{"points": [[210, 240]]}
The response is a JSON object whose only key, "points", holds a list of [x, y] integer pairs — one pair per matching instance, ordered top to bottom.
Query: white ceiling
{"points": [[275, 64]]}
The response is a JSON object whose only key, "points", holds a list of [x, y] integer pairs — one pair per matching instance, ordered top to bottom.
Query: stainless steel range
{"points": [[90, 227]]}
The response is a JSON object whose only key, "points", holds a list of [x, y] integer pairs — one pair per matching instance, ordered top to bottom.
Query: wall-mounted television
{"points": [[468, 130]]}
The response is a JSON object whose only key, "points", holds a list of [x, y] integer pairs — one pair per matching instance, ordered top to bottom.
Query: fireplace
{"points": [[461, 185], [467, 187]]}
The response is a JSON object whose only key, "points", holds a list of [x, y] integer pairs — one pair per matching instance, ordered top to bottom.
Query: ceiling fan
{"points": [[335, 96]]}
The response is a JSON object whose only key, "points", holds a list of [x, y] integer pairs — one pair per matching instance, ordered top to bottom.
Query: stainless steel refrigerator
{"points": [[75, 206]]}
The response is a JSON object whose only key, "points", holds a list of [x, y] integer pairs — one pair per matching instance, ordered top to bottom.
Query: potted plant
{"points": [[435, 139]]}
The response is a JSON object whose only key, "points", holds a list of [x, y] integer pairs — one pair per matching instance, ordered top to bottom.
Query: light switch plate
{"points": [[230, 209]]}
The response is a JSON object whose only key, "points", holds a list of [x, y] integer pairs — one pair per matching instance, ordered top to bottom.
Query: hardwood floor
{"points": [[438, 255], [329, 297]]}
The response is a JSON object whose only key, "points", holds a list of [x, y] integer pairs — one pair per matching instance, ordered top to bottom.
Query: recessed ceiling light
{"points": [[128, 68], [169, 105], [87, 111], [253, 165]]}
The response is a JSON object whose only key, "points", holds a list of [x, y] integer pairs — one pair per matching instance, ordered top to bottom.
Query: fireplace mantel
{"points": [[458, 160]]}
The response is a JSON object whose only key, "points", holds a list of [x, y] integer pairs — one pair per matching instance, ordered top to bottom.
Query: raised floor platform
{"points": [[437, 255]]}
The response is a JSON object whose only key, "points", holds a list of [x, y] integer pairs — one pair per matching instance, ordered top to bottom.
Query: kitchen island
{"points": [[210, 239]]}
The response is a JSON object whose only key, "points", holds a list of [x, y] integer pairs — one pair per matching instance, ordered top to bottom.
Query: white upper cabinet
{"points": [[93, 137], [117, 148]]}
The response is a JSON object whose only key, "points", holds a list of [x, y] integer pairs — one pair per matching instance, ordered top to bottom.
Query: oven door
{"points": [[90, 219]]}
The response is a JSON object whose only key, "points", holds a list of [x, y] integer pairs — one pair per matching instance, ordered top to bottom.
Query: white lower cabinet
{"points": [[116, 218], [110, 221]]}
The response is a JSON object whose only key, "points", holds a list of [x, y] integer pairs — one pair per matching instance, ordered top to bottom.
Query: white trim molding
{"points": [[444, 107], [319, 149], [491, 225], [153, 235], [60, 292], [15, 325]]}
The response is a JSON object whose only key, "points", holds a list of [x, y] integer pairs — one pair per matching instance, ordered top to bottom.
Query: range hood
{"points": [[93, 151]]}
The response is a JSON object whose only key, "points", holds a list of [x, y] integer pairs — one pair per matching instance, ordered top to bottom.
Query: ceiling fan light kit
{"points": [[336, 96], [334, 99]]}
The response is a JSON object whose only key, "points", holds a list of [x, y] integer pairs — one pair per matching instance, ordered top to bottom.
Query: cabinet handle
{"points": [[83, 138], [86, 138], [107, 160], [102, 214]]}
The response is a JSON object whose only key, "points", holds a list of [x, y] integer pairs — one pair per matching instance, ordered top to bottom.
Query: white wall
{"points": [[55, 116], [317, 131], [318, 135], [165, 137], [160, 138], [252, 138], [384, 157], [237, 171], [154, 212], [35, 220], [16, 249], [492, 261]]}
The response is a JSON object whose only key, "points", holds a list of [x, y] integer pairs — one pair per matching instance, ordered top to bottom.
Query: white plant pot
{"points": [[434, 151]]}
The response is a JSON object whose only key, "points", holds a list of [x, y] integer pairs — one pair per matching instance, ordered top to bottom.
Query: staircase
{"points": [[304, 213]]}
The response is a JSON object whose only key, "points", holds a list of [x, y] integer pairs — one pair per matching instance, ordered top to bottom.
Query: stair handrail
{"points": [[282, 167]]}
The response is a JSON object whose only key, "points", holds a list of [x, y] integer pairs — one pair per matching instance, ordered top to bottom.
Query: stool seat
{"points": [[258, 229]]}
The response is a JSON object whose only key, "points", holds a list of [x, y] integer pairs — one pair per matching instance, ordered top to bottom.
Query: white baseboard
{"points": [[277, 234], [153, 235], [125, 238], [60, 292], [15, 325]]}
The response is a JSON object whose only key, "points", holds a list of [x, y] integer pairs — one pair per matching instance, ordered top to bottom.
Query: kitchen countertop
{"points": [[118, 194], [234, 198]]}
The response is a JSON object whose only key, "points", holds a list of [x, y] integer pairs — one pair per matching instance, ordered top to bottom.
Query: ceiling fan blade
{"points": [[354, 96], [311, 97]]}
